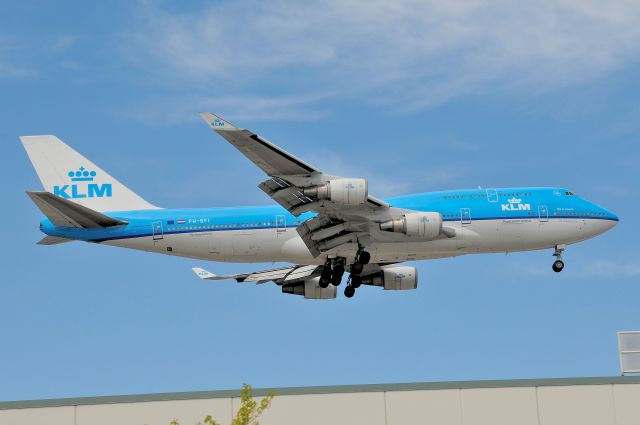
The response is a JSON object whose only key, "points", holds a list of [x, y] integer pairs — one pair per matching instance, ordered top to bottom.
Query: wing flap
{"points": [[288, 196]]}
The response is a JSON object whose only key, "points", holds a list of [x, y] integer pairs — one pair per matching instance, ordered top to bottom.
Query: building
{"points": [[577, 401]]}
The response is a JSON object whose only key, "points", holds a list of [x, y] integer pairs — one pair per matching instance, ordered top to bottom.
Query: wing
{"points": [[346, 212], [280, 276], [295, 280], [304, 280]]}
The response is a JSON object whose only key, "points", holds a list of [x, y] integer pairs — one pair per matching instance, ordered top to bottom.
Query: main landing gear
{"points": [[558, 265], [332, 272], [355, 280]]}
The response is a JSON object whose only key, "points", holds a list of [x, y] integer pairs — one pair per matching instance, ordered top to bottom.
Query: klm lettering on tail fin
{"points": [[69, 175], [81, 186]]}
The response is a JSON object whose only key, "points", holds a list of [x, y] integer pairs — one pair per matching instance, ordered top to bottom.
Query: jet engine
{"points": [[341, 191], [425, 225], [394, 278], [310, 289]]}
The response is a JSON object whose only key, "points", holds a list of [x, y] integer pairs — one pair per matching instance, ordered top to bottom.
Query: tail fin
{"points": [[69, 175]]}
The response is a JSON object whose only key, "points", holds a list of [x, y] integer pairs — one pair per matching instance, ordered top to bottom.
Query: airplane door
{"points": [[492, 195], [543, 213], [465, 215], [281, 224], [157, 230]]}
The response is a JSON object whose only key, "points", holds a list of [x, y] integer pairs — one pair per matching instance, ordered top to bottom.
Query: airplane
{"points": [[324, 225]]}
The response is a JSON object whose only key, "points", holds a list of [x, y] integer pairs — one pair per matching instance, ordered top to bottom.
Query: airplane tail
{"points": [[69, 175]]}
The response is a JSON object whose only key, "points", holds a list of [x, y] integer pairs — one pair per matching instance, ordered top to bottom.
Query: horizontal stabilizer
{"points": [[65, 213], [53, 240]]}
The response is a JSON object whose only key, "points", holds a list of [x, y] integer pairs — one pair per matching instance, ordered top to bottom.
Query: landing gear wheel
{"points": [[364, 257], [558, 265], [356, 268], [336, 274], [325, 277], [356, 281], [349, 291]]}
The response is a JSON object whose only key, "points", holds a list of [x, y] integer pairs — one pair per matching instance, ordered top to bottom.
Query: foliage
{"points": [[249, 412]]}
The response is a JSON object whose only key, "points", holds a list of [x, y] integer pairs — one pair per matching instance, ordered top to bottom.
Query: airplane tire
{"points": [[558, 265], [356, 268], [336, 274], [325, 277], [356, 281], [349, 291]]}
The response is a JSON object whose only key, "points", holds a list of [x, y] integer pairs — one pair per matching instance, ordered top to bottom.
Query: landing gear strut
{"points": [[558, 265]]}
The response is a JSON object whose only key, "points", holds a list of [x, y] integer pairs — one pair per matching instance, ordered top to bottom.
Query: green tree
{"points": [[249, 412]]}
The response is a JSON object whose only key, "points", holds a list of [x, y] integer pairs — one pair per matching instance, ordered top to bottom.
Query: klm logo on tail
{"points": [[81, 186]]}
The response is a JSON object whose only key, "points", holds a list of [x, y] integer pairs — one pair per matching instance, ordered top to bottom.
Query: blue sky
{"points": [[414, 97]]}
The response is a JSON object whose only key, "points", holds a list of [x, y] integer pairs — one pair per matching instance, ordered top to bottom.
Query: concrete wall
{"points": [[585, 401]]}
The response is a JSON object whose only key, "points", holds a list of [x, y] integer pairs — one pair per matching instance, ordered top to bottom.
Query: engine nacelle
{"points": [[341, 191], [425, 225], [396, 278], [310, 289]]}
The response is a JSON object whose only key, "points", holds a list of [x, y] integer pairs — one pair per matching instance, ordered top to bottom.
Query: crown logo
{"points": [[81, 175], [515, 200]]}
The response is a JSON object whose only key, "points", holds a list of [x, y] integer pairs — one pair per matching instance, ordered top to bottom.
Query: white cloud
{"points": [[63, 43], [410, 54], [25, 57], [8, 68], [172, 110], [612, 190], [611, 268]]}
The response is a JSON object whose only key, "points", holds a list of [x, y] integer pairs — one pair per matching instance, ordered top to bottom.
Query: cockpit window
{"points": [[569, 193]]}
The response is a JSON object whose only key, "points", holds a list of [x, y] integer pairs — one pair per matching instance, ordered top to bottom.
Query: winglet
{"points": [[216, 123], [203, 274]]}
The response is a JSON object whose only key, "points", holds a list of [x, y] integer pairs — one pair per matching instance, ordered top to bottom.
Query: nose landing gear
{"points": [[558, 265]]}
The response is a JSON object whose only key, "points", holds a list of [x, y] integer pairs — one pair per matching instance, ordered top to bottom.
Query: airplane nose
{"points": [[611, 216], [611, 219]]}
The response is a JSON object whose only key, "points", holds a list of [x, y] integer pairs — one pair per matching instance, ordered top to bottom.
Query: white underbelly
{"points": [[284, 245]]}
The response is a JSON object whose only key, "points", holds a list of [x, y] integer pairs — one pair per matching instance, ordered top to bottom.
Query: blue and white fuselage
{"points": [[493, 220]]}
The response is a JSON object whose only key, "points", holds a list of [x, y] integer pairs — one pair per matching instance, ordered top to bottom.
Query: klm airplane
{"points": [[324, 225]]}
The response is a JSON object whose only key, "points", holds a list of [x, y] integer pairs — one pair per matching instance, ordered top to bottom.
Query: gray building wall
{"points": [[580, 401]]}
